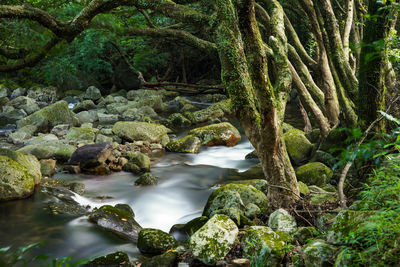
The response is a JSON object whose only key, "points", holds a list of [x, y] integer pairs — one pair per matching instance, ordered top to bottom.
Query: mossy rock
{"points": [[92, 93], [84, 105], [216, 111], [50, 116], [177, 120], [140, 131], [217, 134], [84, 135], [336, 138], [187, 144], [297, 145], [39, 151], [64, 153], [324, 157], [140, 159], [30, 162], [47, 167], [131, 167], [314, 173], [146, 179], [15, 180], [303, 188], [318, 195], [235, 196], [117, 220], [281, 220], [184, 231], [303, 234], [214, 240], [155, 242], [261, 244], [318, 253], [118, 258], [168, 259]]}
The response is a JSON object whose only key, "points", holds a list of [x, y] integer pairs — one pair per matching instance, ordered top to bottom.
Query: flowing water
{"points": [[185, 182]]}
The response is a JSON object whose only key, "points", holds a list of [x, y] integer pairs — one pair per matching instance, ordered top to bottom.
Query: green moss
{"points": [[140, 131], [82, 134], [217, 134], [187, 144], [297, 145], [314, 173], [155, 242], [114, 259]]}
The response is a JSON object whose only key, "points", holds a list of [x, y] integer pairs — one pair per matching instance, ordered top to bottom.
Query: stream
{"points": [[185, 182]]}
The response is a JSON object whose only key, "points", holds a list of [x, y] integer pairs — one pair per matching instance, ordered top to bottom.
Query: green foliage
{"points": [[376, 242], [9, 258]]}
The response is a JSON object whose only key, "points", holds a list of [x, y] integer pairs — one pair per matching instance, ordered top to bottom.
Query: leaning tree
{"points": [[262, 55]]}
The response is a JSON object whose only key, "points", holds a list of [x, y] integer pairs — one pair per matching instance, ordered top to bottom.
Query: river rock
{"points": [[92, 93], [25, 103], [84, 105], [214, 112], [12, 115], [48, 117], [86, 117], [177, 120], [60, 130], [141, 131], [217, 134], [85, 135], [100, 138], [43, 139], [187, 144], [297, 145], [39, 151], [64, 153], [92, 158], [142, 161], [30, 162], [47, 167], [314, 173], [146, 179], [15, 180], [232, 199], [63, 201], [117, 220], [281, 220], [189, 228], [303, 234], [214, 240], [155, 242], [264, 246], [318, 253], [118, 258], [168, 259]]}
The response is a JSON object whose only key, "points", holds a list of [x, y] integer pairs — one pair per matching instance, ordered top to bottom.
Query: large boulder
{"points": [[217, 111], [48, 117], [141, 131], [217, 134], [187, 144], [297, 145], [39, 151], [92, 158], [30, 162], [314, 173], [15, 180], [233, 200], [118, 219], [281, 220], [214, 239], [155, 242], [263, 246], [318, 253]]}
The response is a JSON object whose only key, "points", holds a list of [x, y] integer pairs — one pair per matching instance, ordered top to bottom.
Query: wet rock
{"points": [[92, 93], [48, 117], [141, 131], [217, 134], [187, 144], [297, 145], [252, 155], [91, 158], [30, 162], [47, 167], [314, 173], [146, 179], [15, 180], [77, 187], [232, 199], [64, 201], [116, 220], [281, 220], [190, 227], [214, 240], [155, 242], [264, 246], [318, 253], [118, 258], [168, 259]]}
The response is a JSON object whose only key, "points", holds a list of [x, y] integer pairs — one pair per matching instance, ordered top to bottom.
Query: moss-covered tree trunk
{"points": [[373, 61], [258, 104]]}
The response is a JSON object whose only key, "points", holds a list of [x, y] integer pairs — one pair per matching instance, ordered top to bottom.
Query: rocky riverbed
{"points": [[158, 176]]}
